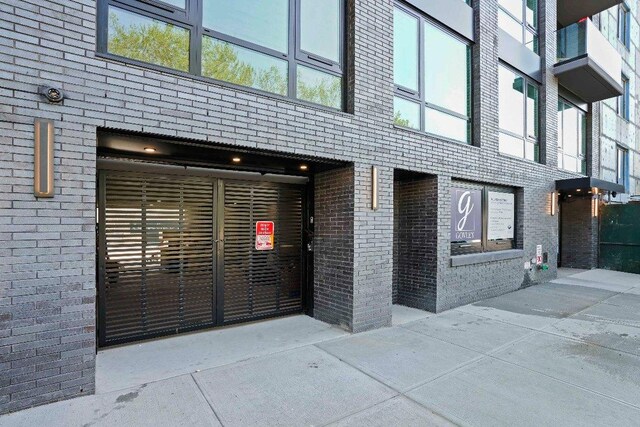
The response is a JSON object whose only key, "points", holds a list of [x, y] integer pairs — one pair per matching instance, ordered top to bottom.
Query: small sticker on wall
{"points": [[265, 232]]}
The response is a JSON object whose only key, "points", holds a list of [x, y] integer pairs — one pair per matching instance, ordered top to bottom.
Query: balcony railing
{"points": [[587, 64]]}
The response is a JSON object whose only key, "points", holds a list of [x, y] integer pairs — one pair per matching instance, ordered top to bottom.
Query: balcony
{"points": [[571, 11], [587, 64]]}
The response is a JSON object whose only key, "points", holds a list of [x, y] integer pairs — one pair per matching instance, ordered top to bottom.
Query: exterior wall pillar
{"points": [[549, 88], [333, 247], [353, 248], [373, 250]]}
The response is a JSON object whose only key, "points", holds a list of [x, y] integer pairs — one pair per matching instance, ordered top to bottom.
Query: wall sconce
{"points": [[43, 158], [374, 188], [595, 202], [554, 203]]}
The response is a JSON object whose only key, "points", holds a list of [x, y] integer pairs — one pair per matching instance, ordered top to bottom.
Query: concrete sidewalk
{"points": [[562, 353]]}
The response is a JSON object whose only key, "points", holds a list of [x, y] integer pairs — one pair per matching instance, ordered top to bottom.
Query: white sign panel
{"points": [[501, 213], [539, 254]]}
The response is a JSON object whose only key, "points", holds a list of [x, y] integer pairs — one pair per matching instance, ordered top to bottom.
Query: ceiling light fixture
{"points": [[149, 149], [236, 160], [304, 167]]}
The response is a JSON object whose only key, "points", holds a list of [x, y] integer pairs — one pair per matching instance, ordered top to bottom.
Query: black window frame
{"points": [[191, 19], [525, 25], [624, 25], [526, 81], [419, 96], [622, 102], [583, 144], [622, 177], [486, 245]]}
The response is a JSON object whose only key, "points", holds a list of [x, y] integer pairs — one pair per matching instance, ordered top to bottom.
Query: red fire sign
{"points": [[265, 231]]}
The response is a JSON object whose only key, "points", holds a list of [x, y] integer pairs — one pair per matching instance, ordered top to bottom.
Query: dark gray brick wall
{"points": [[579, 233], [416, 241], [47, 247], [333, 247]]}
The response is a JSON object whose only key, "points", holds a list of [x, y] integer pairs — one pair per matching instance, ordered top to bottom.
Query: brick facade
{"points": [[579, 233], [416, 241], [47, 246]]}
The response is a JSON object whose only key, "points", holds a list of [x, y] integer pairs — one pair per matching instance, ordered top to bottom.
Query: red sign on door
{"points": [[265, 231]]}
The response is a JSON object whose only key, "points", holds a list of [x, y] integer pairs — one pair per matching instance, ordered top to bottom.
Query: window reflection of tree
{"points": [[168, 45]]}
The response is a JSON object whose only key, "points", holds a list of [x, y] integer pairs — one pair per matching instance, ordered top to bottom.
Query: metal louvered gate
{"points": [[176, 253], [262, 283]]}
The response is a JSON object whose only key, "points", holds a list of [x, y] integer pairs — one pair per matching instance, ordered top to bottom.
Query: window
{"points": [[519, 18], [624, 24], [148, 40], [291, 48], [432, 75], [622, 107], [518, 115], [572, 138], [622, 166], [483, 218]]}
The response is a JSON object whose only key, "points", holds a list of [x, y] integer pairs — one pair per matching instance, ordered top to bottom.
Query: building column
{"points": [[353, 247], [373, 250]]}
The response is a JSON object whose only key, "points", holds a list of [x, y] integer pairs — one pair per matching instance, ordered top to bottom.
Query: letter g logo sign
{"points": [[465, 207]]}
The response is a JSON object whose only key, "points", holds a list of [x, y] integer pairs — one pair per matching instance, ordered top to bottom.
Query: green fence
{"points": [[620, 238]]}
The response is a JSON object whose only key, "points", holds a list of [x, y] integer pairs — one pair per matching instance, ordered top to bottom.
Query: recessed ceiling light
{"points": [[149, 149], [236, 160], [304, 167], [578, 190]]}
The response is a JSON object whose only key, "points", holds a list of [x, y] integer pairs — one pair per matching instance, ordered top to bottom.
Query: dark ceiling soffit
{"points": [[571, 11], [457, 15], [573, 73], [105, 135], [588, 183]]}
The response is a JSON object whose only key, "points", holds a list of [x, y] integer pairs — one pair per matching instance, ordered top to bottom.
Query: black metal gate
{"points": [[620, 238], [176, 253]]}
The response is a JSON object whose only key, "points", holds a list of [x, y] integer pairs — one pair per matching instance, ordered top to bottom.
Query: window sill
{"points": [[432, 136], [511, 156], [479, 258]]}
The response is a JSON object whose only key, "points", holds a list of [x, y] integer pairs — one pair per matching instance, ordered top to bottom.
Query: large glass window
{"points": [[519, 18], [265, 23], [320, 28], [148, 40], [291, 48], [235, 64], [432, 75], [518, 107], [572, 138], [483, 218]]}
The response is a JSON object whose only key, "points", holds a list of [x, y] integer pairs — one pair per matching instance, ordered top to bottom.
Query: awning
{"points": [[586, 184]]}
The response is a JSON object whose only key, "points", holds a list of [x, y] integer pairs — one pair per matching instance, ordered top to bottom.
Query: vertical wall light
{"points": [[43, 158], [374, 188], [595, 200], [554, 203]]}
